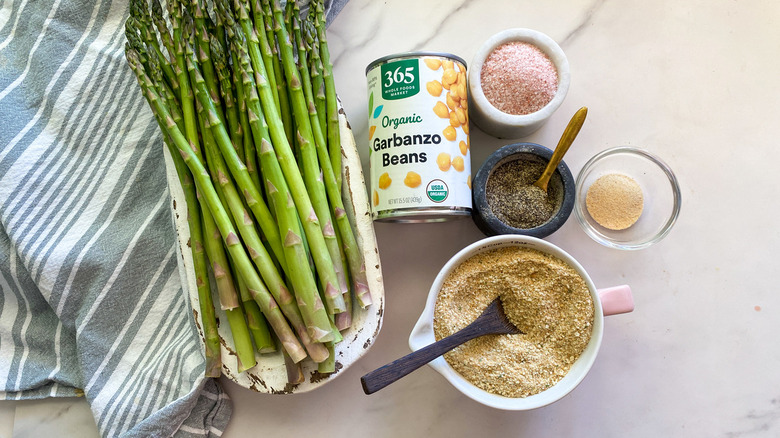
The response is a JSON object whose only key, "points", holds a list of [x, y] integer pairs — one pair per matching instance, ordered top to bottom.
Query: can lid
{"points": [[407, 55]]}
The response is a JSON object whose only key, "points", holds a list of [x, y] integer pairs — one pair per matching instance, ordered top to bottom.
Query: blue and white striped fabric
{"points": [[92, 303]]}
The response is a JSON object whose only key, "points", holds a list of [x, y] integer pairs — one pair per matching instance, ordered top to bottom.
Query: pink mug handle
{"points": [[616, 300]]}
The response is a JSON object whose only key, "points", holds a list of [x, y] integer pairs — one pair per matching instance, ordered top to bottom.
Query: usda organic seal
{"points": [[437, 191]]}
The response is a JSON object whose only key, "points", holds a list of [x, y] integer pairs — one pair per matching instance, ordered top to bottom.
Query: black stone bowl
{"points": [[484, 217]]}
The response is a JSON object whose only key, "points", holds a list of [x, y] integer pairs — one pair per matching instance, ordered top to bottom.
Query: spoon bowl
{"points": [[567, 138], [492, 321]]}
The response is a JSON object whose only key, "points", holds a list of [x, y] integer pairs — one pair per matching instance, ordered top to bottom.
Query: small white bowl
{"points": [[504, 125], [610, 301]]}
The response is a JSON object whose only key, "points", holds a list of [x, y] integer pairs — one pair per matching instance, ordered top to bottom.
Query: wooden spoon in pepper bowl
{"points": [[569, 134]]}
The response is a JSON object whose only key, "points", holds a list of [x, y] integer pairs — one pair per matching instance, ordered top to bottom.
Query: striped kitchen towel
{"points": [[92, 303]]}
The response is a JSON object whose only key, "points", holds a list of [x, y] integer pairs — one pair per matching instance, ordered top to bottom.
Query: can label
{"points": [[419, 136]]}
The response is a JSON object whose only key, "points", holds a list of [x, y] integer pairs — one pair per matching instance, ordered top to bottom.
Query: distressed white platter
{"points": [[270, 374]]}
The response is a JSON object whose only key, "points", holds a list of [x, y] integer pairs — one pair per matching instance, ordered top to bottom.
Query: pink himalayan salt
{"points": [[518, 78]]}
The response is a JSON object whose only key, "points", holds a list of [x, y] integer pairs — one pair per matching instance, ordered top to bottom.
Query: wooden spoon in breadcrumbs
{"points": [[492, 321]]}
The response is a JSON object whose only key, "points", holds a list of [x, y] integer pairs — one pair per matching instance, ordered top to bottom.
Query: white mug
{"points": [[608, 301]]}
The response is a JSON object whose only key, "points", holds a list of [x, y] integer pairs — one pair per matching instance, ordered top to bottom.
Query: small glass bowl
{"points": [[661, 192]]}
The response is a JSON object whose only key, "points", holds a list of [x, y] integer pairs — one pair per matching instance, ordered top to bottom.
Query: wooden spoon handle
{"points": [[569, 134], [383, 376]]}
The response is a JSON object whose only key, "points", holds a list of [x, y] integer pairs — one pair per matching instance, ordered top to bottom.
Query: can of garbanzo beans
{"points": [[418, 130]]}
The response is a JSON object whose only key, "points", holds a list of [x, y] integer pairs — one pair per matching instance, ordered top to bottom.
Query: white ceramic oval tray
{"points": [[270, 375]]}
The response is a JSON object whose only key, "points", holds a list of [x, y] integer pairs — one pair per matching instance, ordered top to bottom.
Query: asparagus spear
{"points": [[264, 22], [143, 23], [166, 38], [134, 40], [203, 46], [265, 46], [150, 63], [180, 67], [154, 72], [317, 82], [236, 115], [334, 135], [238, 170], [312, 177], [296, 185], [233, 244], [335, 249], [259, 256], [354, 257], [263, 262], [220, 266], [227, 292], [227, 295], [309, 303], [207, 315], [316, 320], [255, 321], [237, 324], [241, 339], [328, 366], [294, 371]]}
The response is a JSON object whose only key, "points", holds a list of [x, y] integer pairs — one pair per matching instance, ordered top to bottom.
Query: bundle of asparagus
{"points": [[244, 96]]}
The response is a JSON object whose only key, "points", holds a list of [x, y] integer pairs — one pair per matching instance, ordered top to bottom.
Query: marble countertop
{"points": [[695, 83]]}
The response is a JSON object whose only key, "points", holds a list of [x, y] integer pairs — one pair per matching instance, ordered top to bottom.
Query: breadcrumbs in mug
{"points": [[542, 295]]}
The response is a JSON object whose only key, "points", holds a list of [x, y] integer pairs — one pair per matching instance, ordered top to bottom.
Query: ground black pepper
{"points": [[514, 199]]}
